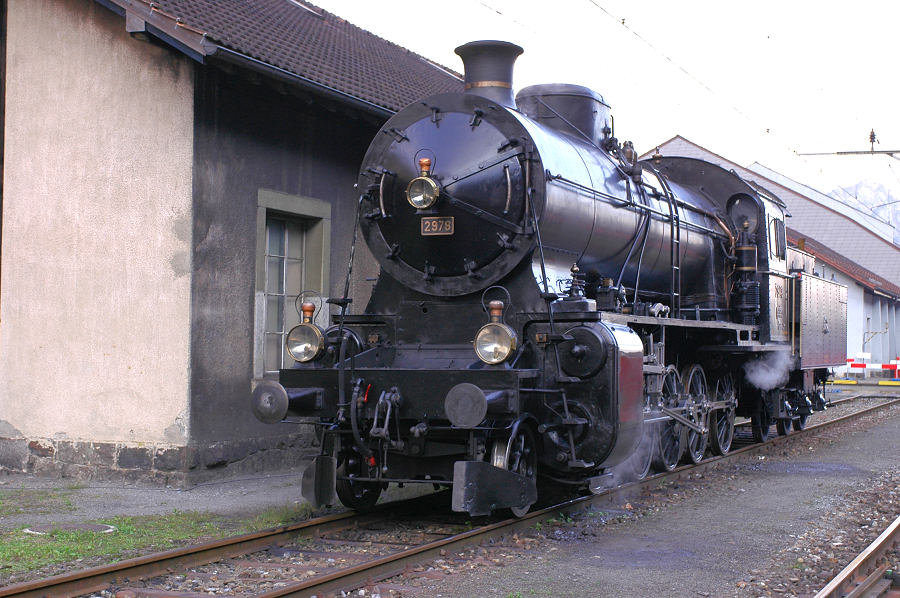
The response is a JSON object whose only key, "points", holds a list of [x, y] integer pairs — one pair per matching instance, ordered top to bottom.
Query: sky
{"points": [[757, 81]]}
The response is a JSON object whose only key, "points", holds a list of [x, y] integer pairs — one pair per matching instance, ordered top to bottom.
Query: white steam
{"points": [[769, 371]]}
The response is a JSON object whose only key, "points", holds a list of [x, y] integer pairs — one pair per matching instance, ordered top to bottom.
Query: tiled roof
{"points": [[297, 39], [865, 277]]}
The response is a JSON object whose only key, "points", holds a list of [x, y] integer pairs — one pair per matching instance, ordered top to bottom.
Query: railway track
{"points": [[837, 408], [343, 551], [872, 573]]}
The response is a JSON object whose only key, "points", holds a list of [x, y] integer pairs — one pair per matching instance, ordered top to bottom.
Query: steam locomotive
{"points": [[550, 307]]}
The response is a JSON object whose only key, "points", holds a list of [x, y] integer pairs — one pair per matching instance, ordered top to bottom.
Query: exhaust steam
{"points": [[770, 371]]}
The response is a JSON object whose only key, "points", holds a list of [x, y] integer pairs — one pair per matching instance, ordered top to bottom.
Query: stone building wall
{"points": [[96, 255]]}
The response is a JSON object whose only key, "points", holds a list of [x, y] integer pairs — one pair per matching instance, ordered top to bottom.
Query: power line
{"points": [[505, 16], [658, 51], [668, 58], [689, 74]]}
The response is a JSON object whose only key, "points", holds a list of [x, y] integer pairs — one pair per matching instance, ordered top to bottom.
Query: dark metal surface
{"points": [[489, 69], [570, 109], [589, 212], [553, 217], [488, 240], [822, 317], [428, 386], [269, 402], [465, 405], [318, 481], [480, 488]]}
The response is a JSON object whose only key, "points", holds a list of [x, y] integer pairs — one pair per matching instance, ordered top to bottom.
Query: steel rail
{"points": [[832, 403], [151, 565], [385, 567], [379, 568], [865, 575]]}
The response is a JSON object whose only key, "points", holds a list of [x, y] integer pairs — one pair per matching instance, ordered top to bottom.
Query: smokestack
{"points": [[489, 66]]}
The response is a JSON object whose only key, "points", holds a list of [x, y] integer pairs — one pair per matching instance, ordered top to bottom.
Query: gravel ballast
{"points": [[778, 525]]}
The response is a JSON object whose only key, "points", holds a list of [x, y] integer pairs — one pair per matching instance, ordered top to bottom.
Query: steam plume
{"points": [[770, 371]]}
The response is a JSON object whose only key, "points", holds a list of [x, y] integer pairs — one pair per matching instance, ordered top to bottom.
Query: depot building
{"points": [[174, 174]]}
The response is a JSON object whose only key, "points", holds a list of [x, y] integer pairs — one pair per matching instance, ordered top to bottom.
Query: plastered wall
{"points": [[96, 256]]}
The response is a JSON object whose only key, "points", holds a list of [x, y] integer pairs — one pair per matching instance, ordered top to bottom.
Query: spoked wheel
{"points": [[696, 390], [721, 421], [800, 422], [761, 424], [784, 426], [669, 446], [516, 454], [356, 495]]}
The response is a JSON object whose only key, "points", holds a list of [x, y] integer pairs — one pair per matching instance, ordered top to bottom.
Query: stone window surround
{"points": [[318, 244]]}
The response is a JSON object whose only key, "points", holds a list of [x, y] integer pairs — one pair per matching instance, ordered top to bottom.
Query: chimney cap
{"points": [[489, 43], [488, 66]]}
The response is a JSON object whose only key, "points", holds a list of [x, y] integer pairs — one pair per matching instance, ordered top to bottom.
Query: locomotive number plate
{"points": [[437, 225]]}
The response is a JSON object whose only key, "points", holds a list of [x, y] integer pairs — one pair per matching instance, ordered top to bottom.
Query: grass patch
{"points": [[23, 501], [275, 517], [561, 519], [21, 552]]}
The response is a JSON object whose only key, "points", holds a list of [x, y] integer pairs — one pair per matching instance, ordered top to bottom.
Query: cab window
{"points": [[777, 239]]}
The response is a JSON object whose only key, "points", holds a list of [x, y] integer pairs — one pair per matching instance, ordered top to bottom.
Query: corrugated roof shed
{"points": [[296, 42]]}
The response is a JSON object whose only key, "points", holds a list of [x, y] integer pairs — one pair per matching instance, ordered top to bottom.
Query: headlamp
{"points": [[423, 191], [305, 341], [495, 342]]}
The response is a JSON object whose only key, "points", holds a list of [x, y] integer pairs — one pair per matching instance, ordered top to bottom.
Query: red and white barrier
{"points": [[859, 363]]}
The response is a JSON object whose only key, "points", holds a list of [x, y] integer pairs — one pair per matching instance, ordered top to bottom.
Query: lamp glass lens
{"points": [[304, 342], [494, 343]]}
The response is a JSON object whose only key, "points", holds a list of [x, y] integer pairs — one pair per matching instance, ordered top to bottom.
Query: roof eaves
{"points": [[142, 16], [145, 17], [230, 56], [885, 293]]}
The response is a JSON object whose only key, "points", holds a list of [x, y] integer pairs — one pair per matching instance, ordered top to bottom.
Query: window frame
{"points": [[317, 234], [777, 239]]}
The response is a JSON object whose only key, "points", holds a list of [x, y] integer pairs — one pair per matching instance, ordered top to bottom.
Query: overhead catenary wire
{"points": [[688, 73]]}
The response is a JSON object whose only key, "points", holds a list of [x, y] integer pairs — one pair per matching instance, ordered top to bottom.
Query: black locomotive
{"points": [[550, 306]]}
